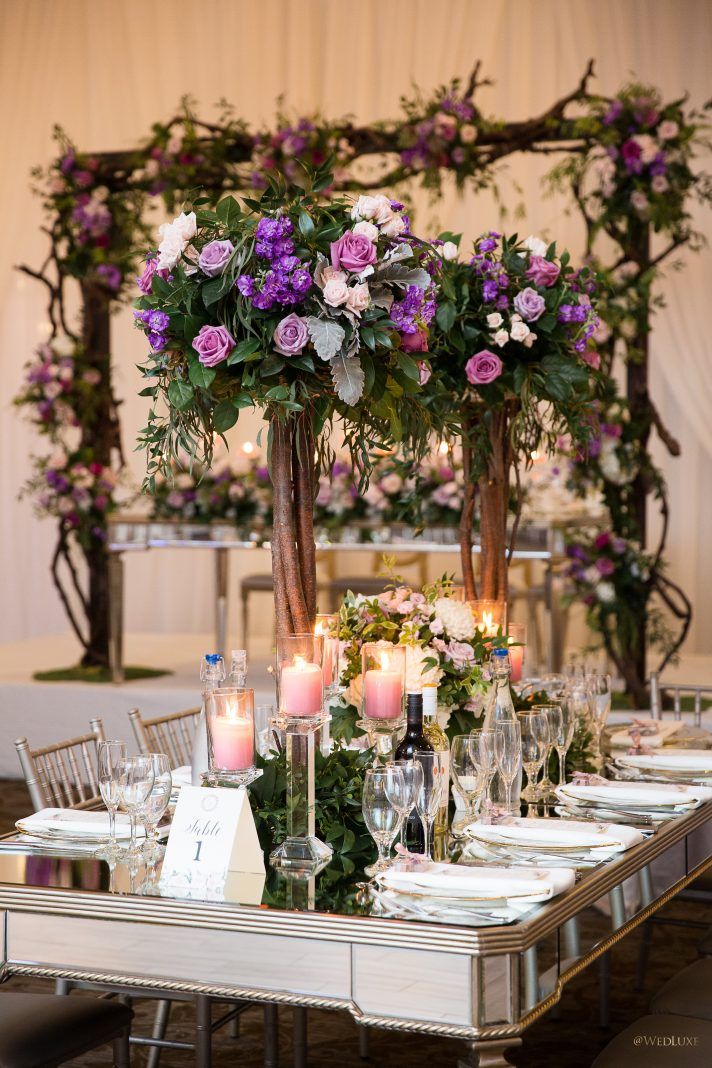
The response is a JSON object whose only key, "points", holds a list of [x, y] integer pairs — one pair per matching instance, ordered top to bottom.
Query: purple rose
{"points": [[630, 154], [352, 252], [214, 257], [542, 272], [529, 304], [290, 335], [415, 342], [213, 344], [483, 368], [602, 541], [605, 567]]}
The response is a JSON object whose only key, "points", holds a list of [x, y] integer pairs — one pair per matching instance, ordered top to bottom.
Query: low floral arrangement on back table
{"points": [[285, 304], [239, 493]]}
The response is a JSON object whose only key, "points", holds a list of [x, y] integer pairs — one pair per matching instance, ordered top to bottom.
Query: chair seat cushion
{"points": [[257, 582], [689, 993], [42, 1029], [660, 1041]]}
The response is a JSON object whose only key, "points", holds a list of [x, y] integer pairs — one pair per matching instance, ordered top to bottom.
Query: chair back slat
{"points": [[678, 691], [172, 734], [63, 775]]}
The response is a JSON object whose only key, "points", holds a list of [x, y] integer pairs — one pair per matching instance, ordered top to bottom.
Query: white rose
{"points": [[444, 121], [667, 130], [468, 134], [175, 143], [648, 147], [659, 183], [639, 201], [364, 208], [383, 211], [186, 225], [394, 226], [366, 228], [536, 246], [170, 249], [449, 251], [336, 292], [358, 298], [494, 319], [519, 331], [500, 338], [529, 339], [63, 346], [65, 374], [52, 390], [391, 483], [65, 506], [606, 592], [354, 692]]}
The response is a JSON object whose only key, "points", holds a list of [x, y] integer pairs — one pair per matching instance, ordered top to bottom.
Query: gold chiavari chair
{"points": [[172, 734], [63, 775]]}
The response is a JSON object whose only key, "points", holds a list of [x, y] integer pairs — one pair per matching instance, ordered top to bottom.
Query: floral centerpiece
{"points": [[304, 311], [514, 346], [240, 494], [444, 648]]}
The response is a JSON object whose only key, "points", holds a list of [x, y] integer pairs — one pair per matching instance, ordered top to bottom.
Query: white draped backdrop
{"points": [[106, 69]]}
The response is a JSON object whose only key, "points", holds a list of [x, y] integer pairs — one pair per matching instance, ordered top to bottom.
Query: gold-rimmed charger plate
{"points": [[548, 847], [426, 892]]}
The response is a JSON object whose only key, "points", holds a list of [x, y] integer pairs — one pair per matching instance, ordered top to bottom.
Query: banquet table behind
{"points": [[316, 943]]}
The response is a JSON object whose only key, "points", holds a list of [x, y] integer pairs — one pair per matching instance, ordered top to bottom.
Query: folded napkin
{"points": [[652, 732], [671, 760], [643, 795], [75, 822], [533, 832], [460, 882]]}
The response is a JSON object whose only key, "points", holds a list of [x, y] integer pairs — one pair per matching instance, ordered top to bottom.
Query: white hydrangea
{"points": [[536, 246], [606, 592], [457, 618], [416, 676]]}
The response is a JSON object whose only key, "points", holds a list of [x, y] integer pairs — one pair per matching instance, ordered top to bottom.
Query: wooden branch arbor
{"points": [[95, 203]]}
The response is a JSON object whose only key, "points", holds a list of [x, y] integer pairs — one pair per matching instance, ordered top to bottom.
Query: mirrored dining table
{"points": [[327, 942]]}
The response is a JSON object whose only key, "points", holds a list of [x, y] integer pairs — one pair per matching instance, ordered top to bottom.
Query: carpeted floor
{"points": [[571, 1040]]}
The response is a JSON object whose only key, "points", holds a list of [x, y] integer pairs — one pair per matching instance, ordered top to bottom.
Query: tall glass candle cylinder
{"points": [[490, 616], [326, 628], [517, 633], [383, 673], [300, 678], [231, 733]]}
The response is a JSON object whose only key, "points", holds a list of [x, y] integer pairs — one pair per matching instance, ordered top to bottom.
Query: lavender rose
{"points": [[352, 252], [214, 257], [542, 272], [145, 282], [529, 304], [290, 335], [213, 344], [483, 368]]}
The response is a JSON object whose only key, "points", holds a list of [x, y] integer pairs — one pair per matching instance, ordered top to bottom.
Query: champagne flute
{"points": [[600, 689], [551, 713], [535, 732], [564, 738], [483, 741], [508, 755], [110, 756], [467, 771], [412, 773], [136, 778], [430, 794], [158, 800], [382, 818]]}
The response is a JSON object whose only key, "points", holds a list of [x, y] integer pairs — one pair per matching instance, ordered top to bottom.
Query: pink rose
{"points": [[367, 229], [353, 252], [542, 272], [145, 282], [336, 292], [358, 298], [290, 335], [417, 342], [213, 344], [592, 358], [483, 368], [424, 372]]}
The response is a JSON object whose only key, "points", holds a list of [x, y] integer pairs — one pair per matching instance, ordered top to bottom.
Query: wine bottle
{"points": [[414, 739], [439, 741]]}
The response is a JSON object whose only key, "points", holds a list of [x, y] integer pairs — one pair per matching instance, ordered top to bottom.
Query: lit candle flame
{"points": [[248, 447], [443, 447], [488, 622], [319, 628], [385, 661], [300, 662]]}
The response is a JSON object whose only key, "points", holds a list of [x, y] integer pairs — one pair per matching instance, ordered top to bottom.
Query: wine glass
{"points": [[600, 690], [552, 714], [535, 733], [564, 738], [483, 741], [110, 756], [508, 756], [467, 771], [412, 773], [136, 778], [430, 794], [157, 801], [382, 818]]}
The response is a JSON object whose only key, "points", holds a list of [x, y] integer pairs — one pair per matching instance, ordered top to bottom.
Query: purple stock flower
{"points": [[615, 109], [110, 275]]}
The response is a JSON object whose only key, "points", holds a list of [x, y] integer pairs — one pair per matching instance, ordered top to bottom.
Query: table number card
{"points": [[213, 833]]}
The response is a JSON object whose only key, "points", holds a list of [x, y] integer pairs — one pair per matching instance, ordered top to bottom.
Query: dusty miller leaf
{"points": [[398, 275], [327, 336], [348, 376]]}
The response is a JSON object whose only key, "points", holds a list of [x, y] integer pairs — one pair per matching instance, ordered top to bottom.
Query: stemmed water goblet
{"points": [[600, 689], [552, 714], [535, 733], [564, 737], [483, 741], [111, 755], [508, 756], [467, 772], [136, 778], [430, 794], [157, 802], [404, 802], [382, 817]]}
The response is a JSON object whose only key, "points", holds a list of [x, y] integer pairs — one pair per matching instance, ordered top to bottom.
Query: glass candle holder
{"points": [[490, 616], [326, 628], [517, 633], [383, 674], [300, 677], [231, 734]]}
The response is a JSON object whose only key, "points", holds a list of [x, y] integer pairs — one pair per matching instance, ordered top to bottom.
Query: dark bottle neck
{"points": [[414, 711]]}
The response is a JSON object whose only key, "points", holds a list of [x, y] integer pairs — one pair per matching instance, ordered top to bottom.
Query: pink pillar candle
{"points": [[516, 659], [301, 687], [383, 694], [233, 742]]}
